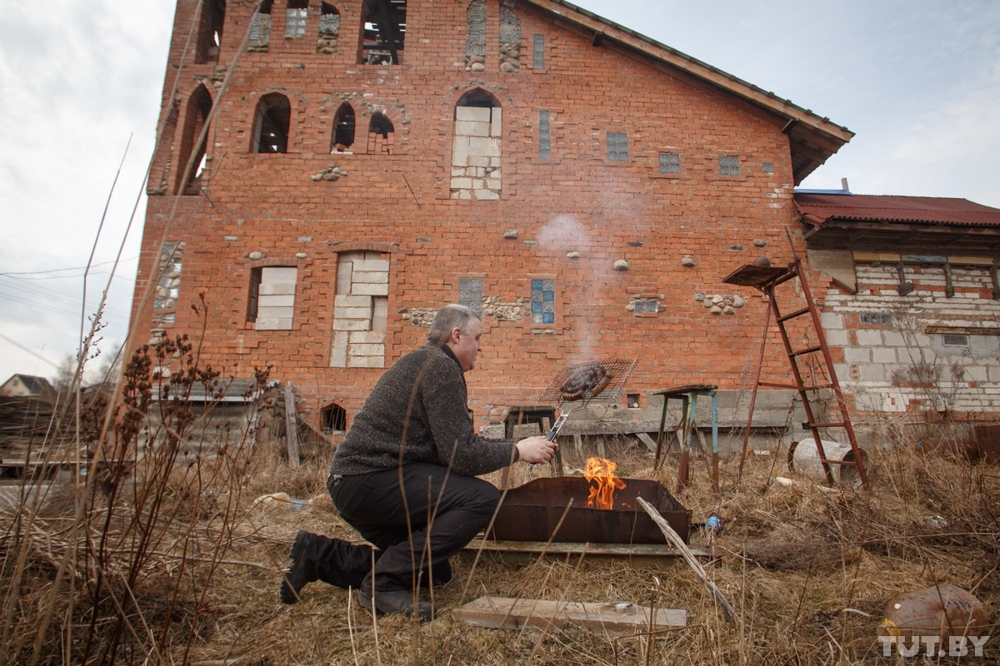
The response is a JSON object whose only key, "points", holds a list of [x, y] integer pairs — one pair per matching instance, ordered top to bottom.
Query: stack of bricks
{"points": [[380, 145]]}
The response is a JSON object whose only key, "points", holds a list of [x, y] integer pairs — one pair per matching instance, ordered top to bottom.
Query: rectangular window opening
{"points": [[538, 53], [544, 135], [618, 146], [670, 163], [729, 165], [470, 294], [543, 301], [952, 340]]}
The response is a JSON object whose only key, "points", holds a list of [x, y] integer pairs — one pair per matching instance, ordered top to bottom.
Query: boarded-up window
{"points": [[260, 28], [329, 29], [475, 36], [510, 38], [476, 153], [271, 305], [361, 310]]}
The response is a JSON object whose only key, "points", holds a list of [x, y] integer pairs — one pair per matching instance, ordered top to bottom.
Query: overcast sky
{"points": [[918, 81]]}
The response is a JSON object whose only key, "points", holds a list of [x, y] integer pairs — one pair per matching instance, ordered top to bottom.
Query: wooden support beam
{"points": [[291, 429], [607, 618]]}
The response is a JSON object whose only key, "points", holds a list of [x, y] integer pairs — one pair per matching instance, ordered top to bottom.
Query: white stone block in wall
{"points": [[473, 113], [472, 128], [496, 129], [485, 147], [460, 151], [480, 162], [495, 162], [459, 171], [461, 183], [493, 183], [486, 195], [372, 265], [344, 271], [274, 274], [370, 277], [276, 289], [372, 289], [274, 301], [351, 301], [265, 312], [352, 313], [380, 313], [831, 321], [273, 324], [351, 324], [367, 337], [837, 338], [869, 338], [893, 339], [365, 350], [338, 351], [855, 355], [883, 355], [365, 361], [843, 372], [871, 372], [975, 373], [994, 374], [492, 431]]}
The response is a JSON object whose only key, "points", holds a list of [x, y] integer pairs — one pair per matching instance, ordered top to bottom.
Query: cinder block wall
{"points": [[570, 217]]}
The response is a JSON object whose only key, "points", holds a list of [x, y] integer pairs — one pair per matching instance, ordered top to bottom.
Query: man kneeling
{"points": [[404, 478]]}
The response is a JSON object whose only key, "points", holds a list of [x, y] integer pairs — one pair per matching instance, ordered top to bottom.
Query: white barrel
{"points": [[803, 457]]}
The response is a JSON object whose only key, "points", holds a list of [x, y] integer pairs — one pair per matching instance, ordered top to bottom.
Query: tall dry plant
{"points": [[157, 517]]}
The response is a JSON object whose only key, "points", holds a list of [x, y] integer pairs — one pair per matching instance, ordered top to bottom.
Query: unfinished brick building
{"points": [[331, 173]]}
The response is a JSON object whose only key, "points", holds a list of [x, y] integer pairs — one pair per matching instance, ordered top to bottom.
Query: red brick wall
{"points": [[577, 201]]}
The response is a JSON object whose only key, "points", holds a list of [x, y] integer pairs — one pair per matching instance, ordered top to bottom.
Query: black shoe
{"points": [[296, 574], [396, 602]]}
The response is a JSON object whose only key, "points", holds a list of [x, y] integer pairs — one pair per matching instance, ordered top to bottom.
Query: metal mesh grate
{"points": [[619, 370]]}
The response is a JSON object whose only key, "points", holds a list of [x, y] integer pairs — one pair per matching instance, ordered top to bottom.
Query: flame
{"points": [[602, 472]]}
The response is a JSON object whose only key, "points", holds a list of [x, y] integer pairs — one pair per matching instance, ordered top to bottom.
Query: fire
{"points": [[602, 472]]}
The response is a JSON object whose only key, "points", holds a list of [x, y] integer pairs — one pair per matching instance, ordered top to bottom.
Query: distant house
{"points": [[25, 386]]}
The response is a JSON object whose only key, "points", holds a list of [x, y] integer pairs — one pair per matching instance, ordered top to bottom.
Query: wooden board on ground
{"points": [[638, 554], [608, 618]]}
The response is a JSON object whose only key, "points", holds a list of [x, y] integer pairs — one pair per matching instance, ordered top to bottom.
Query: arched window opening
{"points": [[213, 16], [296, 18], [260, 28], [329, 29], [383, 31], [475, 38], [510, 38], [271, 124], [343, 129], [380, 131], [192, 150], [475, 172], [334, 418]]}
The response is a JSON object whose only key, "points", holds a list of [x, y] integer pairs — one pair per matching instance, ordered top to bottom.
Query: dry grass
{"points": [[802, 564]]}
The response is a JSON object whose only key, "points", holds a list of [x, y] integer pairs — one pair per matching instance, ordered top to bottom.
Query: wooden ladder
{"points": [[767, 279]]}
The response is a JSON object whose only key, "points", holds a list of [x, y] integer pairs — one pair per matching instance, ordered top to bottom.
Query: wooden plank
{"points": [[291, 432], [647, 440], [630, 550], [607, 618]]}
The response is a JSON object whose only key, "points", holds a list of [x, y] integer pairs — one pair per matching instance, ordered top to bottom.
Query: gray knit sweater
{"points": [[439, 428]]}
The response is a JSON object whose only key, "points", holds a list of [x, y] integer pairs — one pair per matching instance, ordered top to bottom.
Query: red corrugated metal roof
{"points": [[820, 208]]}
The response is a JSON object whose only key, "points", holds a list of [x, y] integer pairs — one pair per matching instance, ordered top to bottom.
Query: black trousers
{"points": [[415, 527]]}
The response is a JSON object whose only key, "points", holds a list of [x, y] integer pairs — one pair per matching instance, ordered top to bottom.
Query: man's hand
{"points": [[536, 449]]}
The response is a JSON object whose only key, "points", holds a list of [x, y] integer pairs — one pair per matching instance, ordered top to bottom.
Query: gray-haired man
{"points": [[405, 477]]}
